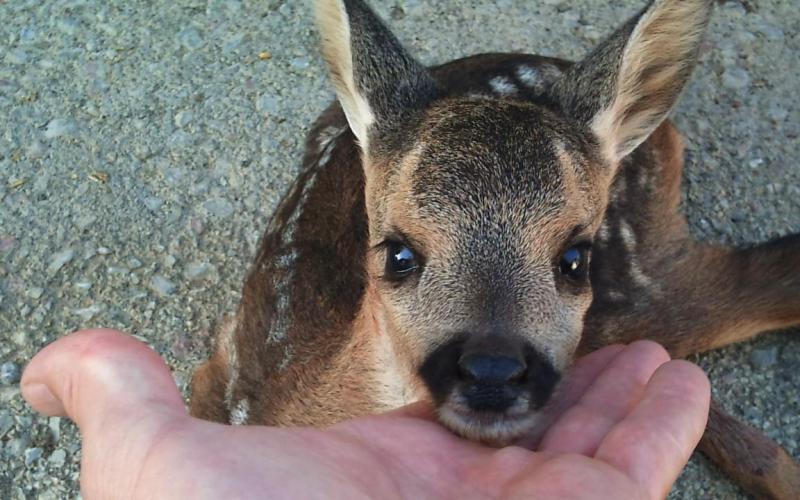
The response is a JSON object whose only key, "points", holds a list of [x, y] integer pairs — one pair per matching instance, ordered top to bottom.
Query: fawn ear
{"points": [[378, 83], [626, 87]]}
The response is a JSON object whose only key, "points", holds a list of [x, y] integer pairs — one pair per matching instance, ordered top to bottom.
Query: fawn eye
{"points": [[401, 261], [575, 262]]}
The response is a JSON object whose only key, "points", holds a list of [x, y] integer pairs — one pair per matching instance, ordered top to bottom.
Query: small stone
{"points": [[190, 38], [17, 56], [300, 63], [736, 78], [267, 104], [183, 118], [60, 127], [153, 203], [219, 207], [196, 224], [7, 242], [103, 250], [59, 259], [169, 261], [134, 263], [200, 271], [162, 285], [35, 292], [87, 313], [764, 357], [9, 373], [6, 424], [54, 424], [16, 446], [32, 455], [58, 458]]}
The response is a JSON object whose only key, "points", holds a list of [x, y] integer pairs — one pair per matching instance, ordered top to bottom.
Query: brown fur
{"points": [[493, 159]]}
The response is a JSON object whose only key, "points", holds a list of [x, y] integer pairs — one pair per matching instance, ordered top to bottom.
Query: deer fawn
{"points": [[437, 243]]}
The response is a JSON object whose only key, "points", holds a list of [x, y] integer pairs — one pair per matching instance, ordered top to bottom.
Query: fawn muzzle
{"points": [[490, 376]]}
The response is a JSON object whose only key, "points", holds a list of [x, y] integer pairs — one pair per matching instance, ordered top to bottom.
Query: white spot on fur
{"points": [[531, 77], [502, 85], [326, 135], [602, 231], [627, 235], [287, 260], [638, 276], [614, 295], [280, 318], [227, 344], [240, 413]]}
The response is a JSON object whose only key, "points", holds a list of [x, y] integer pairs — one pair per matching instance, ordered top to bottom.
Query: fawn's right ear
{"points": [[378, 83]]}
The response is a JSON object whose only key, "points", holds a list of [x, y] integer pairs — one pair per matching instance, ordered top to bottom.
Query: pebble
{"points": [[191, 38], [17, 56], [300, 63], [736, 78], [267, 104], [183, 118], [60, 127], [153, 203], [219, 207], [6, 242], [59, 259], [169, 261], [200, 271], [162, 285], [35, 292], [87, 313], [764, 357], [9, 373], [6, 423], [54, 424], [16, 446], [32, 455], [58, 458]]}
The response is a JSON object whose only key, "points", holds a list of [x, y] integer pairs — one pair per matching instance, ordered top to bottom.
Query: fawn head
{"points": [[482, 211]]}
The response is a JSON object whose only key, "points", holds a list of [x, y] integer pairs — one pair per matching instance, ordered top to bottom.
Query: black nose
{"points": [[490, 369]]}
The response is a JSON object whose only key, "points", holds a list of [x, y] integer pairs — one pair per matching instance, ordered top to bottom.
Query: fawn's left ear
{"points": [[378, 83], [625, 88]]}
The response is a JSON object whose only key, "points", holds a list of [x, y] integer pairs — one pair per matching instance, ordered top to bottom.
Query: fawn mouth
{"points": [[492, 428]]}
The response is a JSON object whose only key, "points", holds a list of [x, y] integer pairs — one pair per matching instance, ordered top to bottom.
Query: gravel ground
{"points": [[144, 144]]}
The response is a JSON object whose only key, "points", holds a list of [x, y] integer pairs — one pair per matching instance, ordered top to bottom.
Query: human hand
{"points": [[626, 422]]}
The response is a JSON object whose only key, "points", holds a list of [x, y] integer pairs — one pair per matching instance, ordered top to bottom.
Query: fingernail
{"points": [[42, 399]]}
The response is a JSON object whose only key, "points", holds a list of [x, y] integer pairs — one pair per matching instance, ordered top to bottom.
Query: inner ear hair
{"points": [[656, 63], [627, 86]]}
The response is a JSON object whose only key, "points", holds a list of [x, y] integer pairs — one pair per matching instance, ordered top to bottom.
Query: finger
{"points": [[90, 373], [579, 377], [607, 401], [422, 410], [654, 442]]}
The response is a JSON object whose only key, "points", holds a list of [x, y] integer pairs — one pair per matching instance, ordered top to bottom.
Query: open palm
{"points": [[623, 426]]}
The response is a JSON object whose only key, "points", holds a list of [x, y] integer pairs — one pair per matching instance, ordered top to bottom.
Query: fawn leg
{"points": [[744, 454]]}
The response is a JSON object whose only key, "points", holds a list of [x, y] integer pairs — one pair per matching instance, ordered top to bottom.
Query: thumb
{"points": [[92, 374]]}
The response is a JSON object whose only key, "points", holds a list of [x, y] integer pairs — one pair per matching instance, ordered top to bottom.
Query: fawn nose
{"points": [[490, 369]]}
